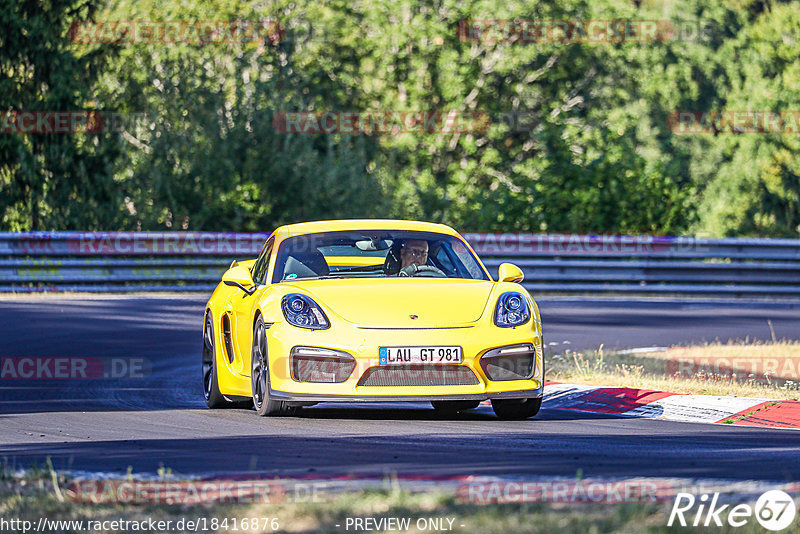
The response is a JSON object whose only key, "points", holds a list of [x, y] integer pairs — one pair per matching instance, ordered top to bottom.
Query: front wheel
{"points": [[259, 375], [516, 409]]}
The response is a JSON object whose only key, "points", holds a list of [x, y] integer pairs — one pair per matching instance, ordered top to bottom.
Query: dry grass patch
{"points": [[736, 368], [35, 496]]}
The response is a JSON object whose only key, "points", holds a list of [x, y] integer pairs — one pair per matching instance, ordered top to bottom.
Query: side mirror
{"points": [[508, 272], [239, 276]]}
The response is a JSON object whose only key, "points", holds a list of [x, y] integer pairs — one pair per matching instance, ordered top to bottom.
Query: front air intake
{"points": [[226, 335], [509, 363], [311, 364], [419, 375]]}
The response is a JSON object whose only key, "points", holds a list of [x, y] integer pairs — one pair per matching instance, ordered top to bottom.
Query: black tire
{"points": [[259, 375], [211, 393], [453, 407], [516, 409]]}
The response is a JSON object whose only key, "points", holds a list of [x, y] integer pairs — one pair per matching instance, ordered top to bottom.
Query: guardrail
{"points": [[554, 264]]}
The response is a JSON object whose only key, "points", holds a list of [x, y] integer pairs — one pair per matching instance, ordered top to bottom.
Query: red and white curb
{"points": [[632, 402]]}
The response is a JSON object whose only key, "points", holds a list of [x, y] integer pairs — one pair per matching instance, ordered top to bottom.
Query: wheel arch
{"points": [[256, 316]]}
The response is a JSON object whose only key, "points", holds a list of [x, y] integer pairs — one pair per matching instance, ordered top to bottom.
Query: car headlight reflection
{"points": [[512, 310], [303, 312]]}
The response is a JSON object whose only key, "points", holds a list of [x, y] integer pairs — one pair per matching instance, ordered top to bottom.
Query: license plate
{"points": [[403, 355]]}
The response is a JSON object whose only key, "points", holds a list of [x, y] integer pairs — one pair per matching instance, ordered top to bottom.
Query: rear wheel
{"points": [[259, 375], [211, 393], [453, 407], [516, 409]]}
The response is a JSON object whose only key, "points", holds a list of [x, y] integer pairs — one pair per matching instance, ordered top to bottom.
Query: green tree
{"points": [[579, 138], [211, 158], [51, 181], [753, 187]]}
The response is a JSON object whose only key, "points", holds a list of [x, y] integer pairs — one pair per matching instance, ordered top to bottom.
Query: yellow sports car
{"points": [[372, 310]]}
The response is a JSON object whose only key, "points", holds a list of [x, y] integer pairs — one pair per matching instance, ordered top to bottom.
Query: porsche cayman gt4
{"points": [[371, 310]]}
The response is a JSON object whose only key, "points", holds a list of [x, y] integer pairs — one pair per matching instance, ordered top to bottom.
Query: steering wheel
{"points": [[428, 271]]}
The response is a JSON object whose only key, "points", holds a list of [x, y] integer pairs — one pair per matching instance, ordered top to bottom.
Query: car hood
{"points": [[390, 302]]}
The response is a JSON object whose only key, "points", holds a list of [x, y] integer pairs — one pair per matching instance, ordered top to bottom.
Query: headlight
{"points": [[512, 310], [302, 311]]}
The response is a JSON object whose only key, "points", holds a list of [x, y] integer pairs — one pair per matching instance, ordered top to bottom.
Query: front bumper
{"points": [[363, 345], [305, 397]]}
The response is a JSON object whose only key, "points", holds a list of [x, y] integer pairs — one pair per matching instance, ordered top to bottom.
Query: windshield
{"points": [[375, 254]]}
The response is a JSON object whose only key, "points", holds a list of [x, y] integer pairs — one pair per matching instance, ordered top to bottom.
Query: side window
{"points": [[444, 261], [468, 261], [259, 271]]}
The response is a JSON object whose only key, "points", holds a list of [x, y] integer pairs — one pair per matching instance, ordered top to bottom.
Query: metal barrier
{"points": [[553, 264]]}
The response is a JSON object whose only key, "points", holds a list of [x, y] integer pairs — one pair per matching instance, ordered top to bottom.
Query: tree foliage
{"points": [[579, 139], [51, 180]]}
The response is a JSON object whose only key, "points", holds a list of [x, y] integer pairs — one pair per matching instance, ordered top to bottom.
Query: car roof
{"points": [[360, 224]]}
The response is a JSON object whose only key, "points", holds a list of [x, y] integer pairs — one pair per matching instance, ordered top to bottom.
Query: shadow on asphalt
{"points": [[98, 396], [426, 413], [594, 451]]}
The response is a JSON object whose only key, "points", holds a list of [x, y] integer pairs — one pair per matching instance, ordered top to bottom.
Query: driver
{"points": [[413, 252]]}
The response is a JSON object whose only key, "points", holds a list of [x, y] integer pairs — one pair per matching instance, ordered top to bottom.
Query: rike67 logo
{"points": [[774, 510]]}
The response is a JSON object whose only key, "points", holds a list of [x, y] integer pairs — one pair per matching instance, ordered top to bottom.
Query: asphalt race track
{"points": [[159, 419]]}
